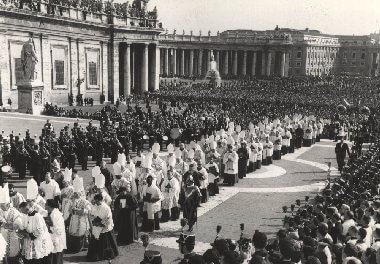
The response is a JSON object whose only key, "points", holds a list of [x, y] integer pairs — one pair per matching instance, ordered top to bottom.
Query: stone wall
{"points": [[69, 43]]}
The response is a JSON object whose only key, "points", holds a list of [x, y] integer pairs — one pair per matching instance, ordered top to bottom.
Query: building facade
{"points": [[109, 51]]}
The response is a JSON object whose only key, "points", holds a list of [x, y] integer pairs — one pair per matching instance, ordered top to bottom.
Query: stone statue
{"points": [[212, 55], [29, 60], [213, 74]]}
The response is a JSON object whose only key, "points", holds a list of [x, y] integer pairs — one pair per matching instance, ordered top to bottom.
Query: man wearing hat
{"points": [[22, 159], [5, 173], [57, 174], [66, 193], [11, 222], [78, 222], [186, 244], [152, 257]]}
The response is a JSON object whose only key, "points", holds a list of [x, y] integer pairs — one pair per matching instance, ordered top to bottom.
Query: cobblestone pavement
{"points": [[255, 201]]}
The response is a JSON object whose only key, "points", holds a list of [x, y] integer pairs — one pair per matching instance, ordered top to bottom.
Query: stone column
{"points": [[208, 59], [217, 59], [263, 60], [200, 61], [166, 62], [174, 62], [182, 62], [226, 62], [370, 62], [268, 64], [191, 65], [234, 65], [253, 68], [133, 69], [157, 69], [282, 69], [105, 70], [127, 70], [144, 70], [244, 70], [116, 75]]}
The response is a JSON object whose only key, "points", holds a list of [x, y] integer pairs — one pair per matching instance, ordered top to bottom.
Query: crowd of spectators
{"points": [[340, 225]]}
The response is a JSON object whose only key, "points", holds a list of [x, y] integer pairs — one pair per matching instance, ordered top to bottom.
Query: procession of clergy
{"points": [[61, 215]]}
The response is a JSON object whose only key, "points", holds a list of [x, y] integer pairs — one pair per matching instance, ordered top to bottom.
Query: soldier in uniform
{"points": [[22, 160], [186, 244]]}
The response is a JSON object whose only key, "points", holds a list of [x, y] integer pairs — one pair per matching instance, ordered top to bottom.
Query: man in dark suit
{"points": [[341, 149]]}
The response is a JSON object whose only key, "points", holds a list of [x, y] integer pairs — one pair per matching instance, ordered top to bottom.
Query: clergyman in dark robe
{"points": [[191, 203], [127, 204]]}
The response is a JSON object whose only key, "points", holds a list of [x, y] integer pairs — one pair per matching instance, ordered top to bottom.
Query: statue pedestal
{"points": [[30, 97]]}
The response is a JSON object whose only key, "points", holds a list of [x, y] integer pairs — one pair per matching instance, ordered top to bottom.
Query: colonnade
{"points": [[196, 62], [140, 64], [139, 68]]}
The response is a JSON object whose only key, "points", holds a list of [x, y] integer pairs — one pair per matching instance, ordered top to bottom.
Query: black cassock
{"points": [[242, 162], [192, 200], [128, 228]]}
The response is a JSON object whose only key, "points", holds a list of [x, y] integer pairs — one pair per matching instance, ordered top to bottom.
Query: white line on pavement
{"points": [[271, 171]]}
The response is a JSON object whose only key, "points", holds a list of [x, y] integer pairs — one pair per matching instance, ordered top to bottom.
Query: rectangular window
{"points": [[299, 55], [354, 55], [363, 56], [353, 63], [362, 63], [59, 64], [298, 64], [92, 68], [19, 72], [59, 72], [93, 73]]}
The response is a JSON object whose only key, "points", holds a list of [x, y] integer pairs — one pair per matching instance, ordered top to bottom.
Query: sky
{"points": [[358, 17]]}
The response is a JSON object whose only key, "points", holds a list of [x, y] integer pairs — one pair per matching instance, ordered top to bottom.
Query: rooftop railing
{"points": [[95, 11]]}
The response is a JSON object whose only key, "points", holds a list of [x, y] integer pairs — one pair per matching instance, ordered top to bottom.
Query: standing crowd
{"points": [[206, 145]]}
